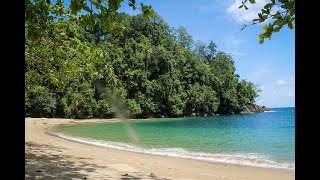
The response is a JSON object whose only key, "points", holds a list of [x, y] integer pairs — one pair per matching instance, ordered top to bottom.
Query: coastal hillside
{"points": [[149, 70]]}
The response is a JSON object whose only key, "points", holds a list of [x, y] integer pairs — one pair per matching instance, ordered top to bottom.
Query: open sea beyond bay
{"points": [[263, 139]]}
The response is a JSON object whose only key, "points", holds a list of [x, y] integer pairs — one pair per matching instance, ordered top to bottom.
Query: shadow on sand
{"points": [[45, 162]]}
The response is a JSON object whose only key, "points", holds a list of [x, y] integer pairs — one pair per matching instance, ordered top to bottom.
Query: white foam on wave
{"points": [[270, 111], [248, 159]]}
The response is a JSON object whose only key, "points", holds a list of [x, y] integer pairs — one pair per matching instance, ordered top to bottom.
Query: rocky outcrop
{"points": [[254, 108]]}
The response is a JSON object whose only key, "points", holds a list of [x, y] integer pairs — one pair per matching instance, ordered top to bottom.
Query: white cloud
{"points": [[245, 16], [237, 53], [261, 71], [281, 82], [288, 82], [286, 86], [277, 93], [273, 95]]}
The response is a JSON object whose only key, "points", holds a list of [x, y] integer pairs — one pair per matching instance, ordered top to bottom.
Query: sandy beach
{"points": [[50, 157]]}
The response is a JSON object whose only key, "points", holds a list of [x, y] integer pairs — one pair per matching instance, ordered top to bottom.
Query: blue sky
{"points": [[270, 65]]}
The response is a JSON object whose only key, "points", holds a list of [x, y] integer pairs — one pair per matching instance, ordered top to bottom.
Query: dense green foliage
{"points": [[85, 12], [284, 16], [75, 70]]}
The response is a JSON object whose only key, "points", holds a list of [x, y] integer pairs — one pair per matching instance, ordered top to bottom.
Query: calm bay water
{"points": [[263, 139]]}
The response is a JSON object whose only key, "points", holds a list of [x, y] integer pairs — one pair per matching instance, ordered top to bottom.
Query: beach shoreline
{"points": [[46, 154]]}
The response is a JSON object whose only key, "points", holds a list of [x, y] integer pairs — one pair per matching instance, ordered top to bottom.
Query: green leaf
{"points": [[133, 1], [252, 1], [95, 2], [268, 5], [240, 6], [286, 6], [245, 7], [86, 8], [147, 11], [268, 11], [292, 12], [277, 15], [290, 25], [265, 27], [277, 29], [267, 34], [261, 36], [261, 41]]}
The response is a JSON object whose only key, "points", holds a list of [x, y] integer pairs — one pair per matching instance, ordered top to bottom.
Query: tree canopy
{"points": [[74, 70]]}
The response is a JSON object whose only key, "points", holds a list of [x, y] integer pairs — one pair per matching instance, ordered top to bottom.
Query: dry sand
{"points": [[51, 157]]}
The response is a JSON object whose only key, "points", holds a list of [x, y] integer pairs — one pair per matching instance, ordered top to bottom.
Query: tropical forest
{"points": [[78, 68]]}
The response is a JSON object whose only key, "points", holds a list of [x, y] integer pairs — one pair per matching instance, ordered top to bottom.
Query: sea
{"points": [[263, 139]]}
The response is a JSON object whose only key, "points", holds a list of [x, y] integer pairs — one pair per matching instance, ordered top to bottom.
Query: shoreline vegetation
{"points": [[73, 70], [249, 109], [49, 156]]}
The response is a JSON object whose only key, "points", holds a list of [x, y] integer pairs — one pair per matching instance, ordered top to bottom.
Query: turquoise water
{"points": [[262, 139]]}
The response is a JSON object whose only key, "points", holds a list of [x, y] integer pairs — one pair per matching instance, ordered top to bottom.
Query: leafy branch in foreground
{"points": [[85, 12], [286, 16]]}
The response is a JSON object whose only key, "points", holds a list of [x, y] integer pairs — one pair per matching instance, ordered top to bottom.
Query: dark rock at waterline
{"points": [[253, 108]]}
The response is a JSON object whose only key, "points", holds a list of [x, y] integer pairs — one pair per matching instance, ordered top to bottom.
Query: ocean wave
{"points": [[270, 111], [248, 159]]}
